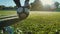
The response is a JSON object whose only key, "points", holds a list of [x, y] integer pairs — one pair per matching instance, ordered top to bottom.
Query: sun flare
{"points": [[49, 2]]}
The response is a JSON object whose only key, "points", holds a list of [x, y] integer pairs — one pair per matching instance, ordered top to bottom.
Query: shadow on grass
{"points": [[8, 22]]}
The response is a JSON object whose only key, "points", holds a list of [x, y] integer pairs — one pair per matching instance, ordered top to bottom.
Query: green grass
{"points": [[57, 9], [6, 12], [39, 23]]}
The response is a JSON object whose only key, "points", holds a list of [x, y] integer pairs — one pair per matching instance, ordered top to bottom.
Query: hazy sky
{"points": [[50, 2], [11, 3]]}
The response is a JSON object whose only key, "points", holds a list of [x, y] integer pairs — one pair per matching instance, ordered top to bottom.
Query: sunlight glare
{"points": [[49, 2]]}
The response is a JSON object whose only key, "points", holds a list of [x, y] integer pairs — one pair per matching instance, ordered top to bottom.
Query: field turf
{"points": [[7, 13], [39, 22]]}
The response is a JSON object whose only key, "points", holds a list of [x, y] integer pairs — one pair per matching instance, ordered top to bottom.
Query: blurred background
{"points": [[36, 5]]}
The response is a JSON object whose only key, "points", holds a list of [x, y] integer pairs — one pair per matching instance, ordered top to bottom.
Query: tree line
{"points": [[35, 6], [2, 7]]}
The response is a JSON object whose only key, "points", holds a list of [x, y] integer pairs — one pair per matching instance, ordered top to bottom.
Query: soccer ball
{"points": [[23, 12]]}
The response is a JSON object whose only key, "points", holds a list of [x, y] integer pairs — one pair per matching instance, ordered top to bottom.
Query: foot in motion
{"points": [[8, 30]]}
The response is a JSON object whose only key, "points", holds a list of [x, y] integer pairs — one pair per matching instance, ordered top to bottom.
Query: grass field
{"points": [[6, 13], [40, 23]]}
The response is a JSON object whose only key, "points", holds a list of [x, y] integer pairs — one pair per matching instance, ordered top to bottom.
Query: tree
{"points": [[56, 4], [36, 5], [2, 7], [15, 7]]}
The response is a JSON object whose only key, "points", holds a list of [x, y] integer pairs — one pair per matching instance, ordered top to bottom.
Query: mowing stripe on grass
{"points": [[8, 16]]}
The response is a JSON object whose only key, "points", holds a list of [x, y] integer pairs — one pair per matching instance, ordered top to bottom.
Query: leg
{"points": [[26, 0], [17, 2], [27, 4]]}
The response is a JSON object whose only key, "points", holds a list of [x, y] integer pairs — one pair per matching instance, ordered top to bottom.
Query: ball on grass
{"points": [[23, 12]]}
